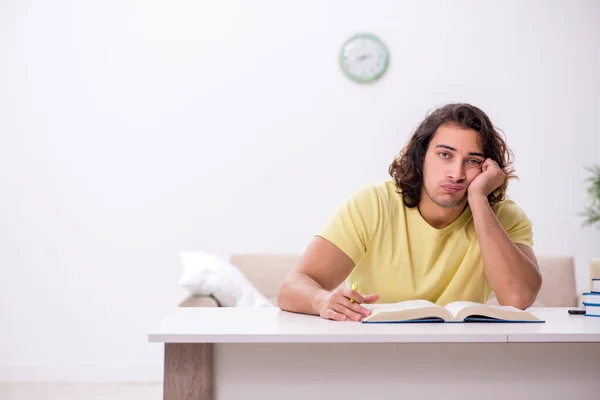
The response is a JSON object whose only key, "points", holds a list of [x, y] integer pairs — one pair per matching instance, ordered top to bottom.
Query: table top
{"points": [[272, 325]]}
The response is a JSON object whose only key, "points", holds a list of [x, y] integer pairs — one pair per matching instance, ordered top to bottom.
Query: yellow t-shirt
{"points": [[398, 255]]}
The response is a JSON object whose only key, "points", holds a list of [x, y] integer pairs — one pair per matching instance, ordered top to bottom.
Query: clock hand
{"points": [[363, 57]]}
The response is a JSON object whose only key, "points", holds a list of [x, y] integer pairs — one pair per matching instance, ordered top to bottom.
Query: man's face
{"points": [[452, 161]]}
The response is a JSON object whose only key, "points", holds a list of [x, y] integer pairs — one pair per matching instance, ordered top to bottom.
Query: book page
{"points": [[401, 306], [457, 306], [463, 309]]}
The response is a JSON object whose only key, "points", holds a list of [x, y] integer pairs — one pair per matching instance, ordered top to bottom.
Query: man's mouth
{"points": [[452, 188]]}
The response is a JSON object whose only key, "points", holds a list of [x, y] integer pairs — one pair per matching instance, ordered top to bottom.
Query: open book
{"points": [[458, 311]]}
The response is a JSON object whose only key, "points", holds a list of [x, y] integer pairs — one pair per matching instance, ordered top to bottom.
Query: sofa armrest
{"points": [[199, 301]]}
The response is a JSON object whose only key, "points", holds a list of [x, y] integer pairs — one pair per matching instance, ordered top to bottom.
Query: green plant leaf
{"points": [[592, 210]]}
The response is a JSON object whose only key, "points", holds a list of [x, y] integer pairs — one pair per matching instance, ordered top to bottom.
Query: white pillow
{"points": [[209, 275]]}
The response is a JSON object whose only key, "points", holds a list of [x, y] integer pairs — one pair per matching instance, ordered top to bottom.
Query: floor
{"points": [[83, 391]]}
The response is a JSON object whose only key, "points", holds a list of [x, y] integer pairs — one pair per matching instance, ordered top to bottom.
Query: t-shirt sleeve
{"points": [[515, 221], [352, 226]]}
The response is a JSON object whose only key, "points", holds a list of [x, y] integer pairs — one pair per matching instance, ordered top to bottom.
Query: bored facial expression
{"points": [[453, 159]]}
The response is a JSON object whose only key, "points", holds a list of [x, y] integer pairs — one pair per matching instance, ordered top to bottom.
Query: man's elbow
{"points": [[287, 292], [282, 295], [525, 296], [520, 301]]}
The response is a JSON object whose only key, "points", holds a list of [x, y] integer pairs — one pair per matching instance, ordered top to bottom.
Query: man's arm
{"points": [[511, 268], [314, 285], [310, 288]]}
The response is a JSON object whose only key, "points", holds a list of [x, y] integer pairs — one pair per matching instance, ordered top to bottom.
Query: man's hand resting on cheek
{"points": [[490, 179], [336, 305]]}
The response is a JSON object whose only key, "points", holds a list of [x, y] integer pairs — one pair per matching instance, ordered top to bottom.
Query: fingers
{"points": [[490, 163], [486, 164], [351, 294], [358, 298], [370, 298], [338, 306], [354, 307], [347, 310], [330, 314]]}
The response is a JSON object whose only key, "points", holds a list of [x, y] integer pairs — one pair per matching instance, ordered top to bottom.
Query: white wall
{"points": [[133, 130]]}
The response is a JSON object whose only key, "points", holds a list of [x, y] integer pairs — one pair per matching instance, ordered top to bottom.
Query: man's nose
{"points": [[457, 172]]}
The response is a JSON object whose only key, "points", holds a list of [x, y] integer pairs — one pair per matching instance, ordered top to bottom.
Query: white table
{"points": [[266, 353]]}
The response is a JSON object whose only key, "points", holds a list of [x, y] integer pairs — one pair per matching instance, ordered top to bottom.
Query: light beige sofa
{"points": [[267, 271]]}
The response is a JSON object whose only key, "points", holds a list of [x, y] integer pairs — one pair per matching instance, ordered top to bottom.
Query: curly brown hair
{"points": [[407, 167]]}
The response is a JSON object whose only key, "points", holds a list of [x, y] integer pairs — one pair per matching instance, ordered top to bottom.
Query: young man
{"points": [[440, 230]]}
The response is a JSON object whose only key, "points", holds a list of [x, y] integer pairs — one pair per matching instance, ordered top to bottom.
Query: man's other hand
{"points": [[490, 179]]}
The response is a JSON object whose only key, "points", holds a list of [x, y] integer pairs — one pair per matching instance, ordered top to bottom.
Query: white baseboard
{"points": [[81, 373]]}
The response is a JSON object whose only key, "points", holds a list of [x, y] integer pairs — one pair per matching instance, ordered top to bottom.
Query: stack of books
{"points": [[591, 299]]}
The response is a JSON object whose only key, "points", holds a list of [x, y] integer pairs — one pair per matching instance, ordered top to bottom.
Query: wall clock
{"points": [[364, 58]]}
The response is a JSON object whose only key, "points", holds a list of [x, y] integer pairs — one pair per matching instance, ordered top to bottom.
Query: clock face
{"points": [[364, 58]]}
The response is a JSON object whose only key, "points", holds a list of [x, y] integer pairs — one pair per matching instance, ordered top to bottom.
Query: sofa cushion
{"points": [[265, 271], [206, 274], [558, 283]]}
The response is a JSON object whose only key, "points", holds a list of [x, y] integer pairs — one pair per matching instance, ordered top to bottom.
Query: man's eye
{"points": [[444, 154], [477, 162]]}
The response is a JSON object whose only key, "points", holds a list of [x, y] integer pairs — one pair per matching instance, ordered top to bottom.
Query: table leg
{"points": [[188, 371]]}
